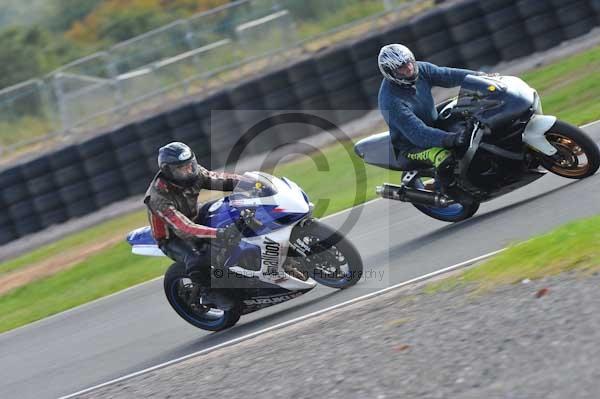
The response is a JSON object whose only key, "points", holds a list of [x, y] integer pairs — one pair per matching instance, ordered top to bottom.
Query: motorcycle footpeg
{"points": [[413, 195]]}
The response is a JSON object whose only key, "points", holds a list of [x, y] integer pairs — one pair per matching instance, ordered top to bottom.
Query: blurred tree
{"points": [[61, 16], [30, 52]]}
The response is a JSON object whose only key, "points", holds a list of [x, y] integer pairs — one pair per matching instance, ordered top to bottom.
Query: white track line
{"points": [[289, 322]]}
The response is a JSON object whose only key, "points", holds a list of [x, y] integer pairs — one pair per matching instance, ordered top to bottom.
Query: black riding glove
{"points": [[458, 140]]}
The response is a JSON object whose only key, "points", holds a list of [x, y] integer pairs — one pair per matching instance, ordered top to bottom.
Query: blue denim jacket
{"points": [[410, 111]]}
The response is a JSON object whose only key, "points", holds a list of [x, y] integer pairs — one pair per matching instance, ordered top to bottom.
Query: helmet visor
{"points": [[406, 71], [185, 171]]}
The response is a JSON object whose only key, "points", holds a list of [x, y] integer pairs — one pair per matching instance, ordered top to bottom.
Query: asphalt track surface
{"points": [[136, 329]]}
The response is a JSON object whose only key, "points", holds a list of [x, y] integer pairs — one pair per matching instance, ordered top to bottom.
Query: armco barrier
{"points": [[79, 179]]}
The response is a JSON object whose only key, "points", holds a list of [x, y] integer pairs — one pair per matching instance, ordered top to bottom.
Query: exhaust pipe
{"points": [[413, 195]]}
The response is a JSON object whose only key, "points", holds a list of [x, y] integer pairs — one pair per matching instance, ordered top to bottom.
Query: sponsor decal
{"points": [[270, 256], [272, 299]]}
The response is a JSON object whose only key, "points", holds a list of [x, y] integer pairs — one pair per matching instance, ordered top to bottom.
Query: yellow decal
{"points": [[492, 88], [258, 185]]}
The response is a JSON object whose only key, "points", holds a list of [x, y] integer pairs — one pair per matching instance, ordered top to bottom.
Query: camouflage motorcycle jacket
{"points": [[172, 208]]}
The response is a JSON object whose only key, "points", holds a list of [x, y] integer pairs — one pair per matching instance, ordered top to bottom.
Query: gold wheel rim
{"points": [[575, 162]]}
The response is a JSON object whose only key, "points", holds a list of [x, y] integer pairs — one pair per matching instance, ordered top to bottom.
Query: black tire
{"points": [[489, 6], [529, 8], [463, 11], [573, 13], [500, 19], [429, 22], [540, 24], [579, 29], [468, 30], [399, 34], [510, 36], [548, 40], [434, 43], [366, 48], [475, 48], [518, 50], [450, 57], [333, 60], [367, 68], [302, 71], [339, 79], [273, 81], [308, 89], [243, 93], [281, 99], [181, 116], [151, 126], [123, 136], [571, 140], [151, 144], [95, 146], [129, 152], [64, 157], [99, 163], [36, 167], [69, 175], [11, 176], [106, 181], [41, 185], [75, 192], [14, 193], [108, 197], [47, 202], [81, 208], [21, 210], [444, 214], [56, 216], [27, 225], [7, 233], [326, 238], [174, 284]]}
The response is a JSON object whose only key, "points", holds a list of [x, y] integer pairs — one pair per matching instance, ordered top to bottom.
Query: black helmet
{"points": [[178, 163]]}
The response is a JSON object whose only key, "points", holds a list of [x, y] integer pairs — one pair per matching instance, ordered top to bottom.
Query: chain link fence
{"points": [[186, 57]]}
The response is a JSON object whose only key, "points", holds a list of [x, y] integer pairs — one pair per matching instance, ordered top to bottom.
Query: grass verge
{"points": [[332, 188], [575, 245]]}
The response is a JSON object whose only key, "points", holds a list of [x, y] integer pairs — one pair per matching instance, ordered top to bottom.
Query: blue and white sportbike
{"points": [[283, 253]]}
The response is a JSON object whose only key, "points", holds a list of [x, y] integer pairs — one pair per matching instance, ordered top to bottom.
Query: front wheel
{"points": [[579, 156], [332, 259], [179, 291]]}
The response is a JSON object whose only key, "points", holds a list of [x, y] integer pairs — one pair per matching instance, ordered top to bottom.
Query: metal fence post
{"points": [[59, 94]]}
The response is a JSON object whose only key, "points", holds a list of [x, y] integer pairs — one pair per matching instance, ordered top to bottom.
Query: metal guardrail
{"points": [[170, 63]]}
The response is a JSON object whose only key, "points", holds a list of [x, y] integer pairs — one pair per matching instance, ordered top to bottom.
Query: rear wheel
{"points": [[579, 156], [452, 213], [333, 260], [178, 289]]}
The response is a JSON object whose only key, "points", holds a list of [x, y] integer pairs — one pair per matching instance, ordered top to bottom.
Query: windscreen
{"points": [[255, 185]]}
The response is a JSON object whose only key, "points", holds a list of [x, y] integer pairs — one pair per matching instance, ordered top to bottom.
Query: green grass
{"points": [[570, 88], [329, 178], [82, 239], [575, 245], [104, 273]]}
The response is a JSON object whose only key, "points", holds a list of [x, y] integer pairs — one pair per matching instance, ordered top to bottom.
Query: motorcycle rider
{"points": [[407, 105], [172, 202]]}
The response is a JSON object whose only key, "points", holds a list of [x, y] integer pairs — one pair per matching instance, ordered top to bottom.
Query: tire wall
{"points": [[82, 178]]}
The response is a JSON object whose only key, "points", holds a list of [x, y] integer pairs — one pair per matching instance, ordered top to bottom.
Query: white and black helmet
{"points": [[393, 57]]}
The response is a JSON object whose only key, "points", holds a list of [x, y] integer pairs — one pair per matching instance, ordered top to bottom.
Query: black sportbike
{"points": [[511, 144]]}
